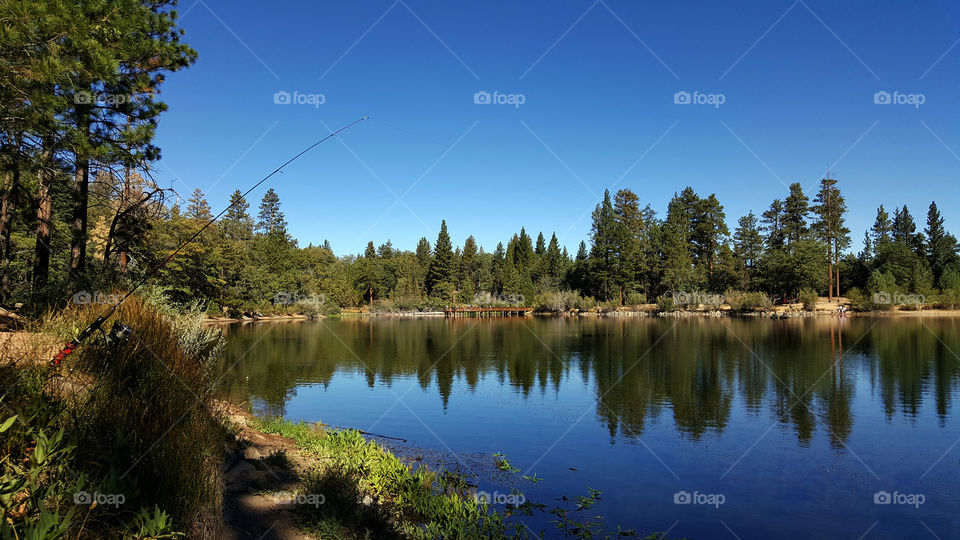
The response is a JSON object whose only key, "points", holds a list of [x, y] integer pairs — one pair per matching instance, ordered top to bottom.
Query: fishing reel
{"points": [[118, 335]]}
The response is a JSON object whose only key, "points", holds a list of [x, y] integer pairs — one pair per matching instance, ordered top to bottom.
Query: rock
{"points": [[252, 453]]}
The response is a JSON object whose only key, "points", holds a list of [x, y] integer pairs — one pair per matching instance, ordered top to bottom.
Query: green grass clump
{"points": [[119, 441], [369, 492]]}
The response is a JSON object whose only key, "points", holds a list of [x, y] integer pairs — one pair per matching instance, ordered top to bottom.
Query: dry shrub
{"points": [[142, 416]]}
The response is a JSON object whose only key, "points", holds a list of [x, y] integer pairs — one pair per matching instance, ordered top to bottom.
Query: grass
{"points": [[119, 440], [370, 493]]}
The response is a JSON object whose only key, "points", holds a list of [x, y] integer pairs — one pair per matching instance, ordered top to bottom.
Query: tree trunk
{"points": [[11, 184], [78, 238], [78, 243], [41, 257], [836, 258]]}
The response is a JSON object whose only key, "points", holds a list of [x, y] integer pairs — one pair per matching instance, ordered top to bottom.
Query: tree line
{"points": [[78, 93], [80, 211]]}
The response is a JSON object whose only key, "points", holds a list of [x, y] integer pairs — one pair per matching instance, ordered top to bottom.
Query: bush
{"points": [[809, 297], [635, 299], [949, 299], [859, 300], [561, 301], [747, 301], [665, 303], [138, 414]]}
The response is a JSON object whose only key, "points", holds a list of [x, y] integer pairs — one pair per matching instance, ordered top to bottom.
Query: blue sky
{"points": [[798, 81]]}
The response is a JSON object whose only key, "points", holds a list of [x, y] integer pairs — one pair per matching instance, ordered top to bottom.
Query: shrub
{"points": [[809, 297], [635, 299], [949, 299], [859, 300], [561, 301], [747, 301], [665, 303], [138, 413]]}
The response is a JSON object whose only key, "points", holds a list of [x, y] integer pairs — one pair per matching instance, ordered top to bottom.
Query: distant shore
{"points": [[791, 311]]}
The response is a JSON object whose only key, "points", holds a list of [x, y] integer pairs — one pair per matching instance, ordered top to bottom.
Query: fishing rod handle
{"points": [[75, 342]]}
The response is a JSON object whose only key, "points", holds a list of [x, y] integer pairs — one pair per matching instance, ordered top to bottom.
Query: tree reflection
{"points": [[802, 373]]}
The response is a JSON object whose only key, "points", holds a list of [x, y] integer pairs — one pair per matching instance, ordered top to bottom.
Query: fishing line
{"points": [[120, 332]]}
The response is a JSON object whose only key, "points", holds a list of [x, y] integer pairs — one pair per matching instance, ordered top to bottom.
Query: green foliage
{"points": [[808, 297], [561, 301], [747, 301], [665, 303], [122, 423], [370, 493]]}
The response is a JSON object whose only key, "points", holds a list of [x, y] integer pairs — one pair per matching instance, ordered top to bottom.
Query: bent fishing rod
{"points": [[121, 332]]}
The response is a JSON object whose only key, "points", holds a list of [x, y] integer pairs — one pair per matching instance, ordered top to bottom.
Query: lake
{"points": [[708, 428]]}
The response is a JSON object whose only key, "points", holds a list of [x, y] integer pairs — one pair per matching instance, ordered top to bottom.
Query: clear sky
{"points": [[587, 91]]}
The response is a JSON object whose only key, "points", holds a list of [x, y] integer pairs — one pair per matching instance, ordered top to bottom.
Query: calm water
{"points": [[797, 424]]}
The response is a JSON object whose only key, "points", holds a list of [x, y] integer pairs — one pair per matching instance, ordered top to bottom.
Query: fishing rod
{"points": [[120, 332]]}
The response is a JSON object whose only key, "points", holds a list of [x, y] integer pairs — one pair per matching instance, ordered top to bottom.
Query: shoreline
{"points": [[783, 313]]}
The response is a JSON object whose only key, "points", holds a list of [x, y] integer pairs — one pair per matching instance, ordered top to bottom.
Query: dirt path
{"points": [[260, 485]]}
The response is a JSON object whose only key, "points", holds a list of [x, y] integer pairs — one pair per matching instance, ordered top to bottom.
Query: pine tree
{"points": [[198, 207], [795, 210], [270, 220], [772, 220], [237, 223], [881, 228], [830, 229], [709, 230], [905, 230], [748, 246], [941, 246], [604, 254], [554, 262], [631, 263], [469, 269], [441, 275]]}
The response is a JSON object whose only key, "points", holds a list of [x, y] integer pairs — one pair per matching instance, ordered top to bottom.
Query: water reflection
{"points": [[805, 372]]}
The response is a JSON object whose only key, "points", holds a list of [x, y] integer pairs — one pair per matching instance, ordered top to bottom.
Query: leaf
{"points": [[7, 423]]}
